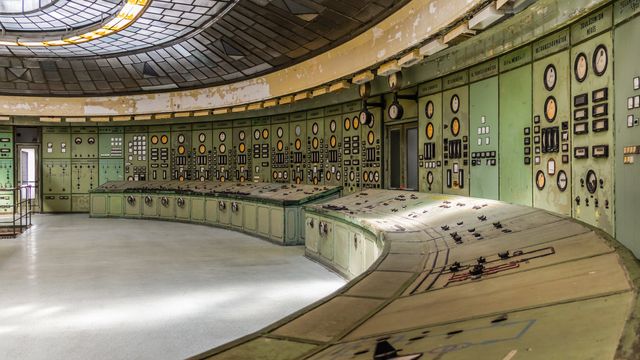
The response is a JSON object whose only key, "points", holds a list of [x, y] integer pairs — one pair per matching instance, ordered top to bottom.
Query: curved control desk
{"points": [[444, 277]]}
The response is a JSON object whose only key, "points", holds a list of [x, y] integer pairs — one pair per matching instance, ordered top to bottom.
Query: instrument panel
{"points": [[370, 121], [351, 135], [242, 141], [455, 141], [298, 145], [333, 146], [315, 148], [261, 150], [180, 151], [202, 152], [159, 153], [280, 153], [223, 158], [136, 160]]}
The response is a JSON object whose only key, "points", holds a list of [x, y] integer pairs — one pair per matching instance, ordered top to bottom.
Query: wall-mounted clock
{"points": [[600, 60], [581, 67], [550, 77]]}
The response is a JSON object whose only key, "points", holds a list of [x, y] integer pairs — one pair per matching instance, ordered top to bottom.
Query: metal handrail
{"points": [[22, 208]]}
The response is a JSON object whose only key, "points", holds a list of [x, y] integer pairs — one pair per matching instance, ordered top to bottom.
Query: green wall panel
{"points": [[483, 138], [456, 141], [430, 143], [242, 147], [333, 155]]}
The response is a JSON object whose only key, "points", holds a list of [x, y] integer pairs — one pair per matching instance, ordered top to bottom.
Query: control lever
{"points": [[148, 200], [577, 200], [164, 201], [180, 202], [222, 205], [235, 207], [482, 218], [311, 223], [497, 225], [504, 255], [481, 260], [455, 267], [477, 270]]}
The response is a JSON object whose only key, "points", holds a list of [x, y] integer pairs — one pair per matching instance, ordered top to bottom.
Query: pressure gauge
{"points": [[600, 60], [581, 67], [550, 77], [395, 81], [455, 104], [550, 109], [429, 110], [395, 111], [366, 117], [355, 122], [347, 124], [333, 126], [455, 127], [315, 128], [298, 130], [430, 131], [280, 132], [256, 134], [265, 134], [241, 135], [222, 136], [202, 137], [371, 137], [154, 139], [164, 139], [181, 139], [78, 140], [91, 140], [333, 141], [315, 143], [298, 144], [280, 145], [242, 147], [222, 148], [202, 149], [181, 150], [376, 176], [430, 178], [541, 180], [562, 181], [592, 181]]}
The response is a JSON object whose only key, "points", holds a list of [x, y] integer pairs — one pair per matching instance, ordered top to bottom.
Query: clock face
{"points": [[600, 60], [581, 67], [550, 77], [394, 81], [455, 104], [550, 109], [429, 110], [395, 111], [356, 123], [347, 124], [332, 126], [455, 127], [315, 128], [430, 131], [280, 132], [256, 134], [241, 135], [222, 136], [202, 137], [371, 137], [180, 139], [222, 148], [430, 178], [541, 180], [562, 181], [592, 181]]}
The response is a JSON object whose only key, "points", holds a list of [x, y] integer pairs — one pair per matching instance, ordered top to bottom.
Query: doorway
{"points": [[402, 157], [29, 173]]}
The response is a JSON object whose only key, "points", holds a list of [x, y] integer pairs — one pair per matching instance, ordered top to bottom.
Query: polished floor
{"points": [[79, 288]]}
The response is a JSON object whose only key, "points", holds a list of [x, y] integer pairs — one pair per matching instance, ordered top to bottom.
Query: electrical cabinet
{"points": [[430, 136], [455, 138], [6, 142], [111, 142], [56, 143], [297, 145], [136, 146], [333, 146], [180, 147], [242, 147], [315, 147], [372, 148], [280, 149], [159, 150], [261, 150], [202, 152], [223, 158], [351, 167], [110, 170], [6, 182], [56, 185]]}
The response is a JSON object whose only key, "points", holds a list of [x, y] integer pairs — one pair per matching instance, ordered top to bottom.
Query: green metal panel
{"points": [[455, 105], [594, 131], [552, 133], [483, 134], [627, 134], [516, 135], [371, 136], [242, 141], [6, 142], [111, 142], [56, 143], [84, 143], [430, 143], [316, 146], [180, 147], [299, 149], [261, 151], [202, 152], [159, 153], [333, 154], [223, 157], [351, 158], [136, 162], [111, 170], [280, 171], [6, 173], [56, 176], [84, 176], [56, 203], [80, 203], [99, 204], [116, 205], [151, 206], [183, 207], [197, 209], [211, 210], [237, 214], [251, 218], [264, 219], [276, 224]]}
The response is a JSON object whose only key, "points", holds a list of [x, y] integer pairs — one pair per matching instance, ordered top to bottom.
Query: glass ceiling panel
{"points": [[22, 6]]}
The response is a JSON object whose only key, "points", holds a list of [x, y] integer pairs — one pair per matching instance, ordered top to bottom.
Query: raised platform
{"points": [[445, 277]]}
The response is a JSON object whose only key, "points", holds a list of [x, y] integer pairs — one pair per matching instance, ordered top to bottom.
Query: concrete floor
{"points": [[79, 288]]}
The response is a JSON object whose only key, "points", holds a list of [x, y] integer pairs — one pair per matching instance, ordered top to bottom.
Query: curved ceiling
{"points": [[176, 44]]}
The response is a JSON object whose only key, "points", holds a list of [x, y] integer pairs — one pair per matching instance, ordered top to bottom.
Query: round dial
{"points": [[600, 60], [581, 67], [550, 77], [395, 81], [364, 90], [455, 104], [429, 109], [550, 109], [395, 111], [366, 117], [372, 120], [347, 123], [356, 123], [333, 126], [455, 127], [315, 128], [298, 130], [429, 131], [280, 132], [256, 134], [265, 134], [241, 135], [222, 136], [202, 137], [371, 137], [154, 139], [164, 139], [181, 139], [91, 140], [78, 141], [333, 141], [315, 142], [298, 144], [280, 145], [242, 147], [222, 148], [202, 149], [181, 150], [274, 175], [285, 175], [327, 175], [338, 175], [352, 176], [365, 176], [371, 176], [376, 176], [430, 178], [541, 180], [562, 181], [592, 181]]}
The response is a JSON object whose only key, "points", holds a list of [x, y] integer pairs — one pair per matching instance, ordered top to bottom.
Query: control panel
{"points": [[552, 127], [351, 135], [430, 137], [455, 138], [242, 141], [6, 142], [56, 143], [84, 143], [180, 146], [333, 146], [298, 147], [315, 147], [136, 149], [280, 149], [261, 150], [371, 150], [202, 152], [111, 153], [159, 153], [224, 160], [56, 169], [56, 176], [84, 178], [6, 182]]}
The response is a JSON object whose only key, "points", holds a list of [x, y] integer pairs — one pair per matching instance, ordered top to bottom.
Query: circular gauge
{"points": [[600, 60], [581, 67], [550, 77], [395, 81], [364, 90], [455, 104], [550, 109], [429, 110], [395, 111], [366, 118], [372, 120], [356, 122], [347, 123], [332, 126], [455, 127], [315, 128], [298, 130], [430, 131], [280, 132], [256, 134], [265, 134], [241, 135], [222, 136], [202, 137], [371, 137], [154, 139], [164, 139], [181, 139], [77, 140], [91, 140], [333, 141], [315, 142], [298, 144], [49, 145], [280, 145], [242, 147], [222, 148], [202, 149], [181, 150], [274, 175], [285, 175], [327, 175], [338, 175], [370, 175], [352, 176], [365, 176], [376, 176], [181, 178], [222, 178], [430, 178], [242, 179], [298, 180], [541, 180], [316, 181], [562, 181], [592, 181]]}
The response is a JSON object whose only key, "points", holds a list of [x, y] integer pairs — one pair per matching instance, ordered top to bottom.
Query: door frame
{"points": [[403, 126], [35, 206]]}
